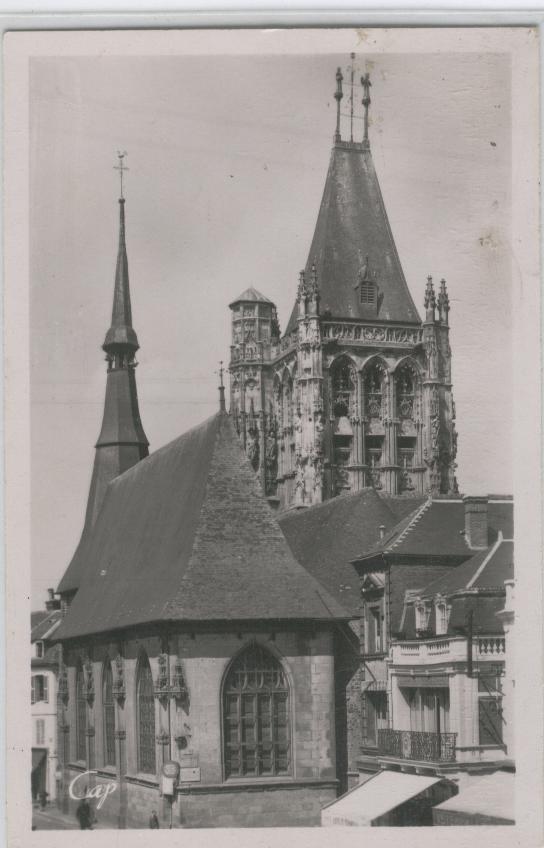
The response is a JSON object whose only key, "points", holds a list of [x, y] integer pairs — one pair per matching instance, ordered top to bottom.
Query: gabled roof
{"points": [[353, 239], [251, 295], [437, 529], [186, 535], [326, 537], [487, 569], [43, 624]]}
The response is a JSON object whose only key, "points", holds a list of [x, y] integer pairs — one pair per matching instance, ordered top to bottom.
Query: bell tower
{"points": [[122, 441]]}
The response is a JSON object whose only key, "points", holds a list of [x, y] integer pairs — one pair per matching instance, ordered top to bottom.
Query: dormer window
{"points": [[368, 292], [423, 612], [442, 617]]}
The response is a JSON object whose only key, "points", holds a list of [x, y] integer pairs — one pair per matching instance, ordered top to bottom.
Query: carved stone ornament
{"points": [[88, 679], [118, 686], [161, 689], [179, 689]]}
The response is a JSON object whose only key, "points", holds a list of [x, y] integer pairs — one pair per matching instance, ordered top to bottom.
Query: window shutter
{"points": [[45, 689], [33, 691], [490, 721]]}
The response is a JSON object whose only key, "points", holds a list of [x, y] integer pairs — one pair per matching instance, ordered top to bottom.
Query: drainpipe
{"points": [[470, 617]]}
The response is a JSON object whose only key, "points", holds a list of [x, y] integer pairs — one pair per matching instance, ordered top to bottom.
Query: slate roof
{"points": [[352, 224], [251, 295], [438, 529], [186, 535], [326, 537], [487, 569], [41, 622]]}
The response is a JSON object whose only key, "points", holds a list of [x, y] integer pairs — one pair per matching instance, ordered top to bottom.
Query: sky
{"points": [[228, 158]]}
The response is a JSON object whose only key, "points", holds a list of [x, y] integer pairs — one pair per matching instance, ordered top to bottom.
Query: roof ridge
{"points": [[411, 524], [487, 558]]}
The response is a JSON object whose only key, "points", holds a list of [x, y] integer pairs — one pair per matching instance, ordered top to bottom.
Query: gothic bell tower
{"points": [[357, 392], [122, 441]]}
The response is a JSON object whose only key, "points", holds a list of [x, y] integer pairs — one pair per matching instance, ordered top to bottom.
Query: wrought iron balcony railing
{"points": [[417, 745]]}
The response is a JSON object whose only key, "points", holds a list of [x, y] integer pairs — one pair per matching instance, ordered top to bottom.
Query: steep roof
{"points": [[353, 238], [251, 295], [437, 528], [186, 535], [326, 537], [487, 569], [43, 623]]}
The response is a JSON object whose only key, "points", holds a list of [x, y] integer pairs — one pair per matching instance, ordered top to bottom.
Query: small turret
{"points": [[430, 301], [443, 303]]}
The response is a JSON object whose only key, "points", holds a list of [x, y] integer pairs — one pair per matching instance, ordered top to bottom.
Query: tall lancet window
{"points": [[374, 378], [343, 388], [405, 391], [343, 392], [108, 713], [81, 715], [256, 716], [146, 718]]}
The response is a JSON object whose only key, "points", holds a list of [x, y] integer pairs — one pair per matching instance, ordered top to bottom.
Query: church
{"points": [[213, 624]]}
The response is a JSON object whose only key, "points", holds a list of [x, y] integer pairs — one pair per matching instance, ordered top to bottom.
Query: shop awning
{"points": [[38, 755], [378, 796], [482, 799]]}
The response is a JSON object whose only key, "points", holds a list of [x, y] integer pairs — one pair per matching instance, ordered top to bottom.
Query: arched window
{"points": [[373, 383], [343, 388], [405, 391], [108, 712], [81, 715], [256, 716], [146, 718]]}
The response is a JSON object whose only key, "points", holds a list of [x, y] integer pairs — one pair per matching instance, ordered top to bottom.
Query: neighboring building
{"points": [[357, 392], [434, 663], [44, 675]]}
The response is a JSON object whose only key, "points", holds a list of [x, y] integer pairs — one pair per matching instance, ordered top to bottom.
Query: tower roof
{"points": [[353, 242], [251, 295], [121, 333], [186, 535]]}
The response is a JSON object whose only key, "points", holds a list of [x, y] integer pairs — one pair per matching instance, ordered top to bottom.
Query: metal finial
{"points": [[365, 82], [338, 94], [121, 167]]}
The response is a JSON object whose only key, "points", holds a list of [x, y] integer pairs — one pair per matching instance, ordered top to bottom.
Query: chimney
{"points": [[476, 522], [52, 603]]}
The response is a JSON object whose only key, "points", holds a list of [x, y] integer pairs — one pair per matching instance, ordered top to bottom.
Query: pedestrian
{"points": [[43, 799], [84, 815], [153, 820]]}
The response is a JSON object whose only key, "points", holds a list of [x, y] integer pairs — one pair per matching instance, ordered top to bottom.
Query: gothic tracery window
{"points": [[373, 386], [343, 388], [405, 391], [108, 712], [81, 715], [256, 716], [146, 718]]}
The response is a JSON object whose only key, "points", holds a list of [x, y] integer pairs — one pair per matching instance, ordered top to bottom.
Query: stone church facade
{"points": [[357, 391], [194, 639]]}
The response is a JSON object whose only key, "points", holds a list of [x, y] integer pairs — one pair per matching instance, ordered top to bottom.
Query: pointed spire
{"points": [[352, 71], [365, 82], [338, 94], [313, 289], [302, 292], [430, 300], [443, 302], [121, 338], [222, 407]]}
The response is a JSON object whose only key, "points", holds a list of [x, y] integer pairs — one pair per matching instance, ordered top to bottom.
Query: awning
{"points": [[422, 681], [38, 755], [376, 797], [482, 799]]}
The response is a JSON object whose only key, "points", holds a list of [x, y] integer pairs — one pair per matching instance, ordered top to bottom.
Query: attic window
{"points": [[368, 292], [39, 649]]}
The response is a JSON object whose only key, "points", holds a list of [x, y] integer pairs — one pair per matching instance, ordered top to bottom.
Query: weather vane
{"points": [[121, 167]]}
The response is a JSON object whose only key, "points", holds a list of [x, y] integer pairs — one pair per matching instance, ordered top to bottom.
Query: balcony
{"points": [[454, 649], [417, 745]]}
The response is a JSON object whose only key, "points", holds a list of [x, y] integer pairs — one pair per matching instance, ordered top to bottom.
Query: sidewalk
{"points": [[54, 819]]}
